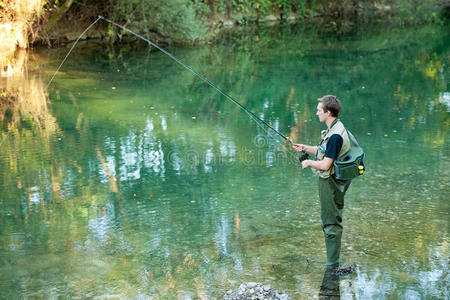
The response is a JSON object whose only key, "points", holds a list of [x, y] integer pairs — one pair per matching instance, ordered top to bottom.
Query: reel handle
{"points": [[303, 157]]}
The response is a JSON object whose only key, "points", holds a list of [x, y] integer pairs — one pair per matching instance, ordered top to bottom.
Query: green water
{"points": [[144, 181]]}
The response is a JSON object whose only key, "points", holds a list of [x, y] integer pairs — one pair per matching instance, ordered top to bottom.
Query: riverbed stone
{"points": [[270, 19], [291, 19], [228, 23], [94, 34], [72, 36], [253, 290]]}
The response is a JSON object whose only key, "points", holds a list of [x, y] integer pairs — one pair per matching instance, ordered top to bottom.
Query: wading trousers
{"points": [[331, 194]]}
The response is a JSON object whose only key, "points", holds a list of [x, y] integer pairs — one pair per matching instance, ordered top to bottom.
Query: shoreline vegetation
{"points": [[25, 23], [53, 23]]}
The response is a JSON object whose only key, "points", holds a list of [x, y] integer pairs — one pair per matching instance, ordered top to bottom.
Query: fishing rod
{"points": [[198, 75]]}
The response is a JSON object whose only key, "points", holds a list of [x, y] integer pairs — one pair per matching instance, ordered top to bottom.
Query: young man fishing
{"points": [[335, 142]]}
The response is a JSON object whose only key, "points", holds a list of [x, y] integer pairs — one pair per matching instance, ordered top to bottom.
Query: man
{"points": [[335, 142]]}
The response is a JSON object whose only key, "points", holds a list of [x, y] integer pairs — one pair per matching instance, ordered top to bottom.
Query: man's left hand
{"points": [[306, 163]]}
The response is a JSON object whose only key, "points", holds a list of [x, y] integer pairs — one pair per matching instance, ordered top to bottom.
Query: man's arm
{"points": [[334, 146], [308, 149], [322, 165]]}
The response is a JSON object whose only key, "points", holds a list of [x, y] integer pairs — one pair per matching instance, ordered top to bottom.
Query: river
{"points": [[129, 176]]}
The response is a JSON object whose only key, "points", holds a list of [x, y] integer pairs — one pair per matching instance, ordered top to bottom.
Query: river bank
{"points": [[199, 22], [54, 23], [64, 32]]}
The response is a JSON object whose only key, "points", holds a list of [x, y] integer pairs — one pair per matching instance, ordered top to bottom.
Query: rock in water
{"points": [[344, 270], [253, 290]]}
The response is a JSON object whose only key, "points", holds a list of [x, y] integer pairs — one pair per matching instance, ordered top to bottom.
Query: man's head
{"points": [[328, 106]]}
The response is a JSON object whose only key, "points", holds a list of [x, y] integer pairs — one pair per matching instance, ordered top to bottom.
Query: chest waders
{"points": [[331, 194]]}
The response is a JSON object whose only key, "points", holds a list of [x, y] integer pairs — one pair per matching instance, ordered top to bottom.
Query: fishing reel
{"points": [[303, 157]]}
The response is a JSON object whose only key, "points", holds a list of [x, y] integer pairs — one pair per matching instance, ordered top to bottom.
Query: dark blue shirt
{"points": [[334, 146]]}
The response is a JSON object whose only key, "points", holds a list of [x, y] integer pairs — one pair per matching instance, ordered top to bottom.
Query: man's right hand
{"points": [[299, 147]]}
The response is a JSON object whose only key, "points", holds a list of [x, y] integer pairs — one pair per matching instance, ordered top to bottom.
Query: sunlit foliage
{"points": [[16, 17]]}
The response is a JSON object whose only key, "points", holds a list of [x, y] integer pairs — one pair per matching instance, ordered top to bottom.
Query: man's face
{"points": [[321, 114]]}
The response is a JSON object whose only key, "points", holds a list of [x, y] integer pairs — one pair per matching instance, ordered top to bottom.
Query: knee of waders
{"points": [[332, 221], [332, 231]]}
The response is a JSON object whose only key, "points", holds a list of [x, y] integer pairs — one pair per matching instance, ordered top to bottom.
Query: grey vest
{"points": [[336, 128]]}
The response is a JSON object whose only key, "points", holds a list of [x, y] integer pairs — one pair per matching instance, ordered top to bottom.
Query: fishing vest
{"points": [[336, 128]]}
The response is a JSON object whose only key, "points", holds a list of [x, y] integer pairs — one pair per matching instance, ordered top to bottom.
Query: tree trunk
{"points": [[58, 14]]}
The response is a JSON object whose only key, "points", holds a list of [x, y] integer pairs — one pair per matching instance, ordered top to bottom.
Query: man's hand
{"points": [[299, 147], [305, 148], [306, 163]]}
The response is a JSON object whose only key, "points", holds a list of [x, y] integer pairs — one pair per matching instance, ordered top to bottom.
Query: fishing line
{"points": [[73, 46], [57, 70], [196, 73], [250, 113]]}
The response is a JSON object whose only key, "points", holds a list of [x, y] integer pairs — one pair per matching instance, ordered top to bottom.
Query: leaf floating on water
{"points": [[113, 88], [151, 107], [193, 118]]}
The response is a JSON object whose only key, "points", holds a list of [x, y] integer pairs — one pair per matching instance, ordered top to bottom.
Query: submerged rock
{"points": [[344, 270], [253, 291]]}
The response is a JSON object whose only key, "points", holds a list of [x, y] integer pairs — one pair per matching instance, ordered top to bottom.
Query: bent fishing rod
{"points": [[198, 75]]}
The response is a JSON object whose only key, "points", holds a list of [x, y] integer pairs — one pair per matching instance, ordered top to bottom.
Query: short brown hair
{"points": [[330, 103]]}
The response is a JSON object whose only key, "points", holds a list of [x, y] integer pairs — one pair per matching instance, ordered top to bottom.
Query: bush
{"points": [[417, 11], [178, 20]]}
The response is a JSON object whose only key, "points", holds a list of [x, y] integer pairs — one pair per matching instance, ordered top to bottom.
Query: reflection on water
{"points": [[139, 180], [428, 283], [330, 287]]}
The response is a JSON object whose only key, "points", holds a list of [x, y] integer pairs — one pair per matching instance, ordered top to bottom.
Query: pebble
{"points": [[251, 285], [253, 290]]}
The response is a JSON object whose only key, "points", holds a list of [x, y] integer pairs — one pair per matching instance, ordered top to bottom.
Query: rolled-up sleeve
{"points": [[334, 146]]}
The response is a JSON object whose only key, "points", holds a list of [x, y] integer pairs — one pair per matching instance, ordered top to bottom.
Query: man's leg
{"points": [[332, 204], [333, 234]]}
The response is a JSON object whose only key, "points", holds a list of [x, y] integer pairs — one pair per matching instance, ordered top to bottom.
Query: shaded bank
{"points": [[197, 21]]}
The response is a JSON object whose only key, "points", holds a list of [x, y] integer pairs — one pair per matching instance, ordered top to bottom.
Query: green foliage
{"points": [[260, 7], [398, 11], [415, 11], [179, 20], [189, 20]]}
